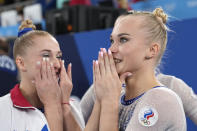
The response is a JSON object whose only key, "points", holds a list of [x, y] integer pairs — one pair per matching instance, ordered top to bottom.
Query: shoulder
{"points": [[171, 81], [177, 85], [162, 92], [162, 95], [88, 98], [5, 100], [87, 102], [5, 103], [159, 109], [76, 111], [5, 112]]}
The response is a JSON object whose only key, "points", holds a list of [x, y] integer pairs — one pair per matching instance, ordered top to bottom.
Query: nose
{"points": [[114, 47]]}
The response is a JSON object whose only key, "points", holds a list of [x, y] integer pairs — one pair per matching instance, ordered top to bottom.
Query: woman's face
{"points": [[128, 44], [43, 47]]}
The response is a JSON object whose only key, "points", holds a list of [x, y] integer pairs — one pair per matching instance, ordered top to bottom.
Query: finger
{"points": [[106, 61], [111, 61], [101, 63], [93, 66], [43, 69], [48, 70], [38, 71], [69, 71], [97, 71], [53, 72], [63, 73], [94, 76], [124, 76]]}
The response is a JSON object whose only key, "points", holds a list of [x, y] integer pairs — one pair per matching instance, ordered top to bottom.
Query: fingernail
{"points": [[104, 50], [109, 52], [101, 54], [43, 58], [47, 59], [38, 62], [97, 62], [63, 63], [51, 64], [70, 64]]}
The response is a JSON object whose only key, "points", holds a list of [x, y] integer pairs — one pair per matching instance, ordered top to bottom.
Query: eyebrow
{"points": [[121, 34], [59, 52]]}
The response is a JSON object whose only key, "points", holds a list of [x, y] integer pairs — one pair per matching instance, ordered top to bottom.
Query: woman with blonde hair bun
{"points": [[138, 41], [40, 102]]}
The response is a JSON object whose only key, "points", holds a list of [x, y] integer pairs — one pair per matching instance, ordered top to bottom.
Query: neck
{"points": [[139, 83], [29, 92]]}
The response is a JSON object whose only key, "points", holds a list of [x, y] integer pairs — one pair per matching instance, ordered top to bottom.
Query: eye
{"points": [[123, 40], [111, 41], [45, 55], [59, 57]]}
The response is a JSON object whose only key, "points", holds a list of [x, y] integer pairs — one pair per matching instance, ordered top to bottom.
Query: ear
{"points": [[153, 50], [20, 64]]}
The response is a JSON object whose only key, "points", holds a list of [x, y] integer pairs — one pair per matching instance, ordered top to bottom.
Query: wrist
{"points": [[111, 98], [65, 99], [110, 102], [66, 103], [54, 107], [110, 107], [66, 109]]}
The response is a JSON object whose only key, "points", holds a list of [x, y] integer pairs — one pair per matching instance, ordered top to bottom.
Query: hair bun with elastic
{"points": [[158, 12], [27, 24], [25, 27]]}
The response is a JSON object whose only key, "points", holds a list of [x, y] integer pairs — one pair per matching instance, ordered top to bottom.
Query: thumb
{"points": [[124, 76]]}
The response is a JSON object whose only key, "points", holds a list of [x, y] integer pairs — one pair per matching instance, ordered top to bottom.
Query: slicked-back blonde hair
{"points": [[155, 25], [26, 40]]}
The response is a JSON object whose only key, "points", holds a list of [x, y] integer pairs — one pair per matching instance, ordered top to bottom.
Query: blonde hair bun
{"points": [[158, 12], [27, 24]]}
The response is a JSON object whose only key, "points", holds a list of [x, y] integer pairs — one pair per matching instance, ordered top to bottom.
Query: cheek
{"points": [[132, 58], [31, 65]]}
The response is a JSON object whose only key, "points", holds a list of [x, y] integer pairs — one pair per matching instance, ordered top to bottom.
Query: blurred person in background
{"points": [[8, 70]]}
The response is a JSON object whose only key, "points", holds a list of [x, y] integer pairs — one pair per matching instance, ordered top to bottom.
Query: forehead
{"points": [[127, 24], [46, 43]]}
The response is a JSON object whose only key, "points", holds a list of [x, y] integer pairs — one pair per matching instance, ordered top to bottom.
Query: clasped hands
{"points": [[107, 82]]}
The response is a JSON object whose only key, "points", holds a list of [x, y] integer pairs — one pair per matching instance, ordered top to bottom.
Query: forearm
{"points": [[54, 116], [109, 116], [93, 122], [70, 124]]}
